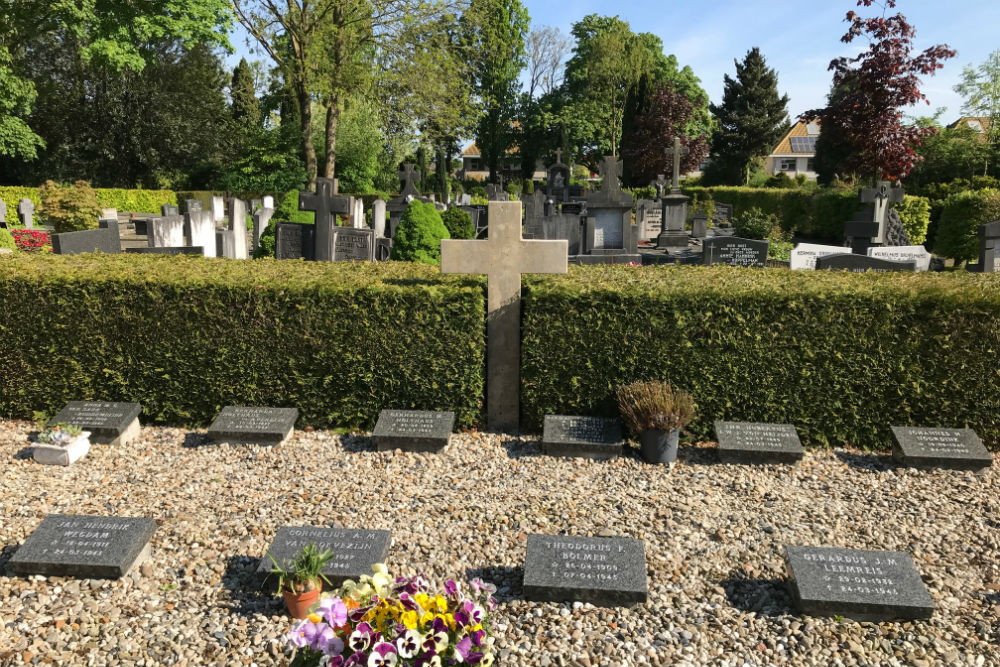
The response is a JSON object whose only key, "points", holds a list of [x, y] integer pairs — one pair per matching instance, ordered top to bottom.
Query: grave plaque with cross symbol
{"points": [[883, 197], [326, 205], [503, 257]]}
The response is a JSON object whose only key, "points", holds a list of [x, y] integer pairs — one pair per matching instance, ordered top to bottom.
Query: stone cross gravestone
{"points": [[882, 197], [326, 205], [26, 213], [166, 232], [673, 234], [105, 239], [734, 251], [904, 253], [804, 255], [503, 257], [861, 263], [110, 423], [253, 425], [413, 430], [588, 437], [749, 442], [955, 448], [88, 547], [354, 551], [602, 571], [861, 585]]}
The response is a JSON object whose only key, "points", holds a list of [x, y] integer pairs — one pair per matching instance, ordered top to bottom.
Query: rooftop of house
{"points": [[979, 124], [800, 141]]}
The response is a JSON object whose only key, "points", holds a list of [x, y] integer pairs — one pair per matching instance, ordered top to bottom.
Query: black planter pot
{"points": [[659, 446]]}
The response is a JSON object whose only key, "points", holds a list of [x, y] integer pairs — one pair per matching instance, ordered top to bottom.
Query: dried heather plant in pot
{"points": [[656, 412]]}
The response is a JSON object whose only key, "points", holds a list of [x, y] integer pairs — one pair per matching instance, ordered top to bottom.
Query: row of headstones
{"points": [[25, 213]]}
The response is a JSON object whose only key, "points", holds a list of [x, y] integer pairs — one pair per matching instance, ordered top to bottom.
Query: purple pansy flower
{"points": [[451, 589], [408, 602], [333, 611], [361, 638], [328, 642], [409, 644], [462, 649], [383, 655]]}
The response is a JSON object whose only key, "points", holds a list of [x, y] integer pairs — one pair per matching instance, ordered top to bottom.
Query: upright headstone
{"points": [[558, 176], [883, 197], [267, 202], [193, 205], [326, 205], [218, 209], [167, 210], [26, 213], [3, 214], [109, 214], [358, 214], [378, 218], [649, 218], [261, 219], [699, 226], [238, 227], [609, 228], [200, 229], [166, 232], [673, 233], [105, 239], [294, 240], [352, 245], [989, 249], [735, 251], [904, 253], [804, 255], [503, 258], [861, 263], [108, 422], [253, 425], [413, 430], [587, 437], [748, 442], [954, 448], [85, 547], [354, 551], [604, 571]]}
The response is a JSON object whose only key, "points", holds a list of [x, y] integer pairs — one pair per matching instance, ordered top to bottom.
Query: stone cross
{"points": [[676, 152], [558, 156], [610, 169], [409, 174], [660, 184], [883, 197], [325, 204], [26, 211], [503, 257]]}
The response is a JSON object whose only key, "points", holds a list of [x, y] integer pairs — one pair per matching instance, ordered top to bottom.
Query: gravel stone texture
{"points": [[714, 542]]}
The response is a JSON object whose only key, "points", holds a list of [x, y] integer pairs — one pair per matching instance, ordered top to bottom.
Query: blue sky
{"points": [[798, 38]]}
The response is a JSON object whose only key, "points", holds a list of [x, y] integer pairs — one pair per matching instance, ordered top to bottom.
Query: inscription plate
{"points": [[608, 229], [295, 241], [353, 245], [734, 251], [914, 253], [804, 255], [861, 263], [110, 423], [264, 426], [413, 430], [589, 437], [750, 442], [956, 448], [90, 547], [355, 551], [603, 571], [862, 585]]}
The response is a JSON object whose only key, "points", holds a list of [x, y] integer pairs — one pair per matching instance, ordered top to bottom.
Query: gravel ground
{"points": [[714, 536]]}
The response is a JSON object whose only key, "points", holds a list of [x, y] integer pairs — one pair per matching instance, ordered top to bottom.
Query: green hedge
{"points": [[135, 201], [958, 229], [185, 336], [842, 356]]}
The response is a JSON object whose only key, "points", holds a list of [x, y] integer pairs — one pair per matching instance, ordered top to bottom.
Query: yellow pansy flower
{"points": [[423, 600], [441, 603], [409, 619]]}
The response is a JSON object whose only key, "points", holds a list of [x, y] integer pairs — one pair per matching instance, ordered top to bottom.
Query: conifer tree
{"points": [[245, 106]]}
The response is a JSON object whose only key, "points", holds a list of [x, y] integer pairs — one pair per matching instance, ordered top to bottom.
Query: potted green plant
{"points": [[656, 412], [60, 444], [301, 580]]}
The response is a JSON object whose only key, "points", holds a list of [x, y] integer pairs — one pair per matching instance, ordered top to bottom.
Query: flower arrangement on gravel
{"points": [[60, 434], [378, 623]]}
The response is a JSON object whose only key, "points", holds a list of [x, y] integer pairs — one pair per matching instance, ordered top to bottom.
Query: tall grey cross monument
{"points": [[503, 257]]}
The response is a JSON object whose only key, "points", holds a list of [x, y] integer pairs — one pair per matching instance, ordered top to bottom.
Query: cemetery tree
{"points": [[545, 49], [980, 88], [243, 92], [17, 96], [863, 114], [668, 115], [749, 122], [950, 153]]}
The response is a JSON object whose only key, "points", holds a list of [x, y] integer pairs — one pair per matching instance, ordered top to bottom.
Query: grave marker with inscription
{"points": [[293, 240], [353, 245], [734, 251], [904, 253], [804, 255], [853, 263], [110, 423], [253, 425], [413, 430], [589, 437], [748, 442], [955, 448], [354, 551], [603, 571]]}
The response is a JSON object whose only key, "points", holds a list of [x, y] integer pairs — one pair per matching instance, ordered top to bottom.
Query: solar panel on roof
{"points": [[803, 144]]}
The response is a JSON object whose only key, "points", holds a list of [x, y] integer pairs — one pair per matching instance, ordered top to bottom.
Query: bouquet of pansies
{"points": [[375, 623]]}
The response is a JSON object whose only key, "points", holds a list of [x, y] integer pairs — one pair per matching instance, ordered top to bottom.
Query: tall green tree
{"points": [[980, 88], [243, 94], [751, 119]]}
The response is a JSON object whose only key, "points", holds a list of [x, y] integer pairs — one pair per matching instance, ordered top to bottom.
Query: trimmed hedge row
{"points": [[137, 201], [185, 336], [842, 356]]}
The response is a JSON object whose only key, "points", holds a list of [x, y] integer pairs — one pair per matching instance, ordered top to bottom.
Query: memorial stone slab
{"points": [[267, 202], [218, 209], [169, 210], [3, 214], [109, 214], [649, 216], [378, 217], [200, 229], [238, 229], [166, 232], [104, 239], [294, 240], [226, 244], [353, 245], [183, 250], [734, 251], [907, 253], [804, 255], [861, 263], [110, 423], [254, 425], [413, 430], [588, 437], [751, 442], [955, 448], [88, 547], [354, 551], [604, 571], [861, 585]]}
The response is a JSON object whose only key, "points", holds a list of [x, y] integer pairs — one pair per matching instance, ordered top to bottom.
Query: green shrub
{"points": [[781, 180], [529, 187], [513, 189], [477, 191], [69, 208], [287, 209], [915, 212], [459, 223], [755, 224], [958, 230], [418, 237], [7, 239], [265, 248], [339, 341], [842, 356]]}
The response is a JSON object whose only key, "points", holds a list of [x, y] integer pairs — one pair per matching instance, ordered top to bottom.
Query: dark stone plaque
{"points": [[105, 239], [293, 240], [353, 245], [185, 250], [734, 251], [861, 263], [110, 423], [262, 426], [413, 430], [590, 437], [749, 442], [956, 448], [88, 547], [355, 551], [604, 571], [861, 585]]}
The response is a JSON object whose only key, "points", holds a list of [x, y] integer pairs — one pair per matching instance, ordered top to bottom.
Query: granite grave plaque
{"points": [[105, 239], [294, 240], [353, 245], [184, 250], [734, 251], [915, 253], [804, 255], [861, 263], [110, 423], [254, 425], [413, 430], [589, 437], [750, 442], [955, 448], [89, 547], [354, 551], [605, 571], [861, 585]]}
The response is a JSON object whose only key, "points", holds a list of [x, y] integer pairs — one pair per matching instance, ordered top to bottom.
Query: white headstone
{"points": [[268, 201], [218, 209], [3, 211], [26, 212], [109, 214], [358, 214], [378, 218], [260, 221], [238, 226], [201, 229], [166, 232], [904, 253], [804, 254]]}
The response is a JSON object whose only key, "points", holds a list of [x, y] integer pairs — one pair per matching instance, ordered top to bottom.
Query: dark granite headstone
{"points": [[723, 213], [105, 239], [295, 241], [353, 245], [185, 250], [734, 251], [861, 263], [111, 423], [263, 426], [413, 430], [590, 437], [750, 442], [955, 448], [88, 547], [355, 551], [603, 571], [861, 585]]}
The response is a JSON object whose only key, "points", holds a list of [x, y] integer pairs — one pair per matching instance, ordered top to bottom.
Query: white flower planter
{"points": [[58, 455]]}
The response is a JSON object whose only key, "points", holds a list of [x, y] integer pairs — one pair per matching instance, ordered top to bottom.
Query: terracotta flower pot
{"points": [[299, 603]]}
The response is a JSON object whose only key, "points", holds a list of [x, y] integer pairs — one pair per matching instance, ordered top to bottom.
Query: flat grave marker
{"points": [[734, 251], [909, 253], [804, 255], [862, 263], [109, 423], [253, 425], [413, 430], [588, 437], [753, 442], [954, 448], [88, 547], [355, 551], [605, 571], [861, 585]]}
